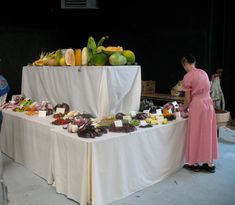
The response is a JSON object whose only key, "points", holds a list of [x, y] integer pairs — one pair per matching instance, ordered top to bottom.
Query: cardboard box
{"points": [[148, 87]]}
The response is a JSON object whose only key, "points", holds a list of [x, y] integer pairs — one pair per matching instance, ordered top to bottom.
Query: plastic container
{"points": [[222, 118], [227, 134]]}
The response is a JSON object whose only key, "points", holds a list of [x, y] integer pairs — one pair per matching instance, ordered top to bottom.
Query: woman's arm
{"points": [[187, 100]]}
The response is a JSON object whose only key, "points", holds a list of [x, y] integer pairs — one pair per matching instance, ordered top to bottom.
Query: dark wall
{"points": [[158, 35], [228, 53]]}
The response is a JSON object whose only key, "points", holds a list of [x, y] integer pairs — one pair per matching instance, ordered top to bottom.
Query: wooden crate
{"points": [[148, 87]]}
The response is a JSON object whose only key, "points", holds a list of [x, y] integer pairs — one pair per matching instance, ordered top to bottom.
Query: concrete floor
{"points": [[182, 188]]}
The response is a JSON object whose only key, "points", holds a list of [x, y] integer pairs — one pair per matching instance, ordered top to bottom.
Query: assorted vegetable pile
{"points": [[85, 125]]}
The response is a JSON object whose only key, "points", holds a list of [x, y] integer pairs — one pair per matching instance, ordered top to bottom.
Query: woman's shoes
{"points": [[195, 168], [198, 168], [208, 168]]}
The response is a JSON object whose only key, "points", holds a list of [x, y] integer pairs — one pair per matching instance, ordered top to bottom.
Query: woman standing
{"points": [[216, 91], [201, 144]]}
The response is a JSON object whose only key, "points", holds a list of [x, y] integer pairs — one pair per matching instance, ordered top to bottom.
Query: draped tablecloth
{"points": [[98, 90], [27, 140], [113, 166], [99, 170]]}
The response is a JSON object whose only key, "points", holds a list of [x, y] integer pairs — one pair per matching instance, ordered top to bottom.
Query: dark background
{"points": [[159, 32]]}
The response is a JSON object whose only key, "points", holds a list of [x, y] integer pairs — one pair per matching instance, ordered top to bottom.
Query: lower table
{"points": [[111, 167], [99, 170]]}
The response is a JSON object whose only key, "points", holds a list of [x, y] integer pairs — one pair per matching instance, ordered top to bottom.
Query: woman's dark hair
{"points": [[188, 58]]}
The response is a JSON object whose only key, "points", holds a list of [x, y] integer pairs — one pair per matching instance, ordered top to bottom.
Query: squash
{"points": [[84, 56], [78, 57]]}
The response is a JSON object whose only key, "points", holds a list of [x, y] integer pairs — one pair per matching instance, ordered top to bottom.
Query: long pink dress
{"points": [[202, 143]]}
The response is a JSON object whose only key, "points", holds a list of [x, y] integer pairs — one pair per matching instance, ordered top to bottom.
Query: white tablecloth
{"points": [[100, 91], [27, 140], [115, 165], [101, 170]]}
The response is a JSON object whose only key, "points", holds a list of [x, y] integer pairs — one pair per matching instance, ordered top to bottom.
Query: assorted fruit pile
{"points": [[93, 54]]}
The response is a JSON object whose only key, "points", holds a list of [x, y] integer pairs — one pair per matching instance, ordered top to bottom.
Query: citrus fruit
{"points": [[130, 56], [62, 61]]}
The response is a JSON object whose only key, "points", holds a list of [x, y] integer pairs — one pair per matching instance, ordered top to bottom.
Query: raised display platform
{"points": [[97, 90]]}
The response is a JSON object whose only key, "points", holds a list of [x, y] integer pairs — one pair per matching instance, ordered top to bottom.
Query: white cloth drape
{"points": [[100, 91], [27, 140], [117, 164], [101, 170]]}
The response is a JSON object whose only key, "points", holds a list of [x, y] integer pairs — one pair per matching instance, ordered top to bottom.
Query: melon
{"points": [[112, 49], [130, 56], [69, 57], [100, 59], [117, 59]]}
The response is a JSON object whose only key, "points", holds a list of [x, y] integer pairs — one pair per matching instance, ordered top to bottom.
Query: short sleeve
{"points": [[187, 83], [4, 87]]}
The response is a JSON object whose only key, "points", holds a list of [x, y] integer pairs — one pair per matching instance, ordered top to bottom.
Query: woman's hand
{"points": [[181, 107], [183, 111], [184, 114]]}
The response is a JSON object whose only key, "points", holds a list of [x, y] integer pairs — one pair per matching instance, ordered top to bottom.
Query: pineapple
{"points": [[45, 59]]}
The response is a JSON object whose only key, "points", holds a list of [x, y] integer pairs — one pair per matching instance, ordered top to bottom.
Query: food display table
{"points": [[98, 90], [99, 170]]}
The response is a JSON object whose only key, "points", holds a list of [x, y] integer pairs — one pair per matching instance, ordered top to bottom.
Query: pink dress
{"points": [[202, 143]]}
